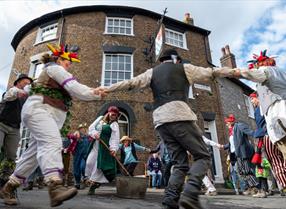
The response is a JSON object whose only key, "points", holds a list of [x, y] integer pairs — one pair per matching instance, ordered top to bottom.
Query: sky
{"points": [[247, 26]]}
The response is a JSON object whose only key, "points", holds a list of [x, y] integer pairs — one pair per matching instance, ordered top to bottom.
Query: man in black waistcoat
{"points": [[10, 120], [176, 123]]}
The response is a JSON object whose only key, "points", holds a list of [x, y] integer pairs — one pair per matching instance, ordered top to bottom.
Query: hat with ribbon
{"points": [[63, 52], [21, 77], [230, 118], [125, 138]]}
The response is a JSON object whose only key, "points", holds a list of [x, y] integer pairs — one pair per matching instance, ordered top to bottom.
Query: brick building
{"points": [[113, 42]]}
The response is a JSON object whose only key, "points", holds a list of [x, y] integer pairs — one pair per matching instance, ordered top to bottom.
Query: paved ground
{"points": [[106, 198]]}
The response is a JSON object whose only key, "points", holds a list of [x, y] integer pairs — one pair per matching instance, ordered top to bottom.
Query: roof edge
{"points": [[83, 9]]}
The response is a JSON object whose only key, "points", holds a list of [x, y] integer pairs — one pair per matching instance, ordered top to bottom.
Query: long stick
{"points": [[118, 161]]}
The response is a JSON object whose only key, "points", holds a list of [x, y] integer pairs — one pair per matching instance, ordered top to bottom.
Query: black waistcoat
{"points": [[169, 83], [10, 112]]}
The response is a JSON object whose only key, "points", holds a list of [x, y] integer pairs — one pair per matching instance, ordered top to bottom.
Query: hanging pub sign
{"points": [[159, 41]]}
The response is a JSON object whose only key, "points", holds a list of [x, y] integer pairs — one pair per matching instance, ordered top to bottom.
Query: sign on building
{"points": [[159, 43]]}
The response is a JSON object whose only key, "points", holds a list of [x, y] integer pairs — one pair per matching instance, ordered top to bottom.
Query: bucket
{"points": [[131, 187]]}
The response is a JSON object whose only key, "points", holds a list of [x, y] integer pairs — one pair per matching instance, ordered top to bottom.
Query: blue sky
{"points": [[248, 26]]}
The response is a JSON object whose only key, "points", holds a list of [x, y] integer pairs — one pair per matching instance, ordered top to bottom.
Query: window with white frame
{"points": [[115, 25], [47, 33], [175, 38], [117, 67], [36, 69], [249, 107], [123, 123]]}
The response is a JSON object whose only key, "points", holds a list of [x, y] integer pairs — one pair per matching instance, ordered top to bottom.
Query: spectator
{"points": [[128, 150], [154, 168]]}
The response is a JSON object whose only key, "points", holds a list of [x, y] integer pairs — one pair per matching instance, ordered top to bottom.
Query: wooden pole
{"points": [[118, 161]]}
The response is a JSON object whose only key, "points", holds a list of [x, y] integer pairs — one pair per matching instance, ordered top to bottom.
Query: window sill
{"points": [[118, 34], [41, 42], [177, 46]]}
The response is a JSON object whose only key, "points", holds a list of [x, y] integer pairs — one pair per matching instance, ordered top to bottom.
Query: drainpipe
{"points": [[62, 28]]}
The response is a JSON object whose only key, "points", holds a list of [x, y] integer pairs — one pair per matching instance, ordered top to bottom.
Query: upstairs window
{"points": [[122, 26], [47, 33], [175, 38], [117, 67]]}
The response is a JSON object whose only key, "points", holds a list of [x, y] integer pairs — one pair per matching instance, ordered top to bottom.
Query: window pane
{"points": [[110, 22], [116, 22], [122, 23], [128, 23], [109, 29], [116, 30], [122, 30], [128, 30], [108, 58], [115, 58], [121, 59], [128, 59], [108, 66], [114, 66], [121, 66], [128, 67], [107, 74], [114, 75], [121, 75], [127, 75], [114, 81]]}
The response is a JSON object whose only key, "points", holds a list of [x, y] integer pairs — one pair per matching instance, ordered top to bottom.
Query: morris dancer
{"points": [[263, 70], [44, 114], [10, 120], [176, 123], [100, 163]]}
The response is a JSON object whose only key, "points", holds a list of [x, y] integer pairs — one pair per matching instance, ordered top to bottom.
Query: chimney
{"points": [[188, 19], [227, 59]]}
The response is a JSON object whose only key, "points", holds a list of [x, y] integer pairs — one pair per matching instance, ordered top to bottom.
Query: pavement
{"points": [[106, 198]]}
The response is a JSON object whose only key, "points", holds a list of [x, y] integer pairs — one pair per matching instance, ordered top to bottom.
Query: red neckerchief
{"points": [[230, 131]]}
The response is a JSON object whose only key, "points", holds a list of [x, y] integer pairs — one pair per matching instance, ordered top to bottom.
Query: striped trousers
{"points": [[276, 160], [246, 172]]}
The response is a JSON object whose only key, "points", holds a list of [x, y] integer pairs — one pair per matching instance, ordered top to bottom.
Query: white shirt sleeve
{"points": [[198, 74], [256, 75], [140, 81], [75, 89], [11, 94], [96, 127], [115, 135], [210, 142]]}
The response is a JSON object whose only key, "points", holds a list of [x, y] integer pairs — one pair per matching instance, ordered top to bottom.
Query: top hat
{"points": [[167, 55], [20, 77]]}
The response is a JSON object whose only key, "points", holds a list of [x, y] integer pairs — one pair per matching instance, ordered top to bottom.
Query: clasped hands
{"points": [[102, 91]]}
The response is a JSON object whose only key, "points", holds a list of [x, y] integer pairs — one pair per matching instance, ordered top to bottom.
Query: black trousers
{"points": [[180, 137]]}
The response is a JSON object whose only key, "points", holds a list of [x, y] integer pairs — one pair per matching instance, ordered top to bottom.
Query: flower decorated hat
{"points": [[63, 52]]}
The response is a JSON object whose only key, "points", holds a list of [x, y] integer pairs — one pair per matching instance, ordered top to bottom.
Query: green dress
{"points": [[105, 161]]}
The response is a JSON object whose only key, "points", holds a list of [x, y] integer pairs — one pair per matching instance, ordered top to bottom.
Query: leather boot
{"points": [[93, 186], [29, 187], [8, 192], [58, 193]]}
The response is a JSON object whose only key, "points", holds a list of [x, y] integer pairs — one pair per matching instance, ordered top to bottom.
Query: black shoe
{"points": [[77, 186], [186, 202]]}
